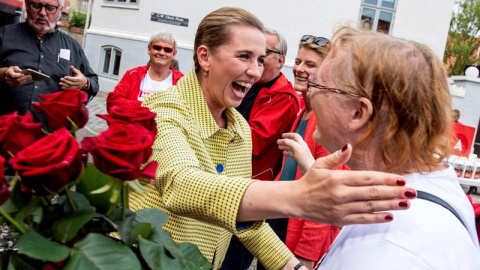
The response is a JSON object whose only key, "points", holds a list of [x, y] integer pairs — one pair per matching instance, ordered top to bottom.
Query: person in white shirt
{"points": [[157, 75], [389, 99]]}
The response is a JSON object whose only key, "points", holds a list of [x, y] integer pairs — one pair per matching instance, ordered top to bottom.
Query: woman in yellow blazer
{"points": [[203, 148]]}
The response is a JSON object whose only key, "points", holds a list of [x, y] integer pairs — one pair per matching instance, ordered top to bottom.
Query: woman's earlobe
{"points": [[203, 55], [363, 113]]}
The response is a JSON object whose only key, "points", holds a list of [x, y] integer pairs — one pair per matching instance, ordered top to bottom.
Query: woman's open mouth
{"points": [[241, 88]]}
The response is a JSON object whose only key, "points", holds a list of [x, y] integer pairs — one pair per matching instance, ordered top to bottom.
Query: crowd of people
{"points": [[302, 176]]}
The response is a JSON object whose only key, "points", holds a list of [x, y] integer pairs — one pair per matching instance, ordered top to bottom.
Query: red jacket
{"points": [[128, 87], [273, 113], [306, 238]]}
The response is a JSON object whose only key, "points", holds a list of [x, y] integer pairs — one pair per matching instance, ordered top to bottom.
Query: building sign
{"points": [[163, 18]]}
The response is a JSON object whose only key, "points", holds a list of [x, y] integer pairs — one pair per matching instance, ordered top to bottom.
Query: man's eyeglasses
{"points": [[38, 7], [319, 41], [159, 48], [272, 51], [312, 83]]}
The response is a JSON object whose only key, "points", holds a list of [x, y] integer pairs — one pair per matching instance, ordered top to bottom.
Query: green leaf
{"points": [[92, 179], [135, 185], [103, 189], [19, 198], [81, 202], [33, 210], [154, 216], [66, 228], [125, 228], [141, 230], [161, 236], [38, 247], [99, 252], [158, 258], [194, 258], [17, 263]]}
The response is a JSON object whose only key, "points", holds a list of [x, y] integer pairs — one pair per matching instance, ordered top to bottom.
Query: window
{"points": [[133, 2], [377, 15], [111, 57]]}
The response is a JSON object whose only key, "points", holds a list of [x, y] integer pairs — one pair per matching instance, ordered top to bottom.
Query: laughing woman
{"points": [[203, 148]]}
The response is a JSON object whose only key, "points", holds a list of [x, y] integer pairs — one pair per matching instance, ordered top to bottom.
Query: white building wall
{"points": [[130, 27]]}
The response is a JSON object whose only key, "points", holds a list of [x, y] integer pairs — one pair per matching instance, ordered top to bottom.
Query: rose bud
{"points": [[59, 106], [132, 114], [17, 132], [121, 150], [50, 163], [4, 191]]}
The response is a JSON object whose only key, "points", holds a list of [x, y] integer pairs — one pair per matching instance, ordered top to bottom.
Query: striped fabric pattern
{"points": [[202, 175]]}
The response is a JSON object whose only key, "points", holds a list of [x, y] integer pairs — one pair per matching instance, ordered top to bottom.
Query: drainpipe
{"points": [[89, 7]]}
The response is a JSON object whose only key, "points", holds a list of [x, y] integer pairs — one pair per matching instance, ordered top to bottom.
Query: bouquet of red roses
{"points": [[66, 211]]}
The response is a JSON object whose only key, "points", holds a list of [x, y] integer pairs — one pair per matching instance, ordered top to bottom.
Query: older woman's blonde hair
{"points": [[214, 29], [407, 85]]}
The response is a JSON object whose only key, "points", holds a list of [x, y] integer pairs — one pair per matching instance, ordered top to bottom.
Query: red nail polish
{"points": [[344, 148], [401, 182], [410, 194], [403, 204], [389, 218]]}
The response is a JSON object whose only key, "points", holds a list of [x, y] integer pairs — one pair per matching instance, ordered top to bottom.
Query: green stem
{"points": [[69, 198], [124, 198], [12, 221]]}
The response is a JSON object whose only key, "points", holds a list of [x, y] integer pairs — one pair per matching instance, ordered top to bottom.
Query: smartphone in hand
{"points": [[36, 76]]}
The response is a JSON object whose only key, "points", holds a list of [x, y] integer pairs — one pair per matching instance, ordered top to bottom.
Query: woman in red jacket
{"points": [[139, 82], [306, 239]]}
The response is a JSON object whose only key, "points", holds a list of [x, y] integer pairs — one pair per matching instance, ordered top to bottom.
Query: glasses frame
{"points": [[37, 7], [319, 41], [160, 48], [268, 51], [312, 84]]}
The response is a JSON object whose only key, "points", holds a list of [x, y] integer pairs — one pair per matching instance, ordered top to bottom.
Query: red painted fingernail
{"points": [[344, 148], [401, 182], [410, 194], [403, 204], [389, 218]]}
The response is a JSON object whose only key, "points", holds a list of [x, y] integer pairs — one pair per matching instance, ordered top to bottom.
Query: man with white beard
{"points": [[37, 44]]}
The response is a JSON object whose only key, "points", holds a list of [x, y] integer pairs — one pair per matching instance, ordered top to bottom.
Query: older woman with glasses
{"points": [[139, 82], [389, 98], [203, 148], [307, 240]]}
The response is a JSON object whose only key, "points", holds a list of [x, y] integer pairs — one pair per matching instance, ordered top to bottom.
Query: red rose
{"points": [[59, 106], [132, 114], [18, 132], [121, 150], [50, 163], [4, 192]]}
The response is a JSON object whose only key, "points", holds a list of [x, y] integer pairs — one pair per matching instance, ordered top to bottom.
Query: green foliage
{"points": [[77, 19], [463, 38], [71, 233]]}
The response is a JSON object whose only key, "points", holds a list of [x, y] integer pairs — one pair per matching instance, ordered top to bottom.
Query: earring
{"points": [[205, 74], [349, 129]]}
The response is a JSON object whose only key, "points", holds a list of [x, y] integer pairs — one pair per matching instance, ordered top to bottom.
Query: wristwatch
{"points": [[86, 86], [298, 266]]}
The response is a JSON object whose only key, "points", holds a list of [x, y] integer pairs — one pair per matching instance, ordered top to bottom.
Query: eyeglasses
{"points": [[38, 7], [319, 41], [159, 48], [272, 51], [311, 82]]}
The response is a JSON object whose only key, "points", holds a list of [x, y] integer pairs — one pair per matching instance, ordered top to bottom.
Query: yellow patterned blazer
{"points": [[202, 175]]}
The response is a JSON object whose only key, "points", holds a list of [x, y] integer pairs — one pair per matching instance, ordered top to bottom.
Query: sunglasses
{"points": [[38, 7], [319, 41], [159, 48]]}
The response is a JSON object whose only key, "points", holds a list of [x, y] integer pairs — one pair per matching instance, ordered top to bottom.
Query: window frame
{"points": [[117, 2], [378, 9], [111, 64]]}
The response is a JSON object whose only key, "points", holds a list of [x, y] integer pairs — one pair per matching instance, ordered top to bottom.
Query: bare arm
{"points": [[327, 196]]}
